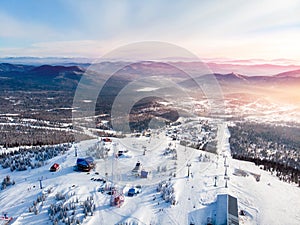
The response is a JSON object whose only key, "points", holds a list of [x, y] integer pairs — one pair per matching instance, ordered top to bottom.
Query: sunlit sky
{"points": [[210, 29]]}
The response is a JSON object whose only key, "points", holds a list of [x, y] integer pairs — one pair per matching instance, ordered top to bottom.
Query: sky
{"points": [[231, 29]]}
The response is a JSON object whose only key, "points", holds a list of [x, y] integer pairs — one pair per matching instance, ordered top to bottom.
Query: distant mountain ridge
{"points": [[38, 61], [7, 67], [56, 69], [251, 70], [293, 73], [16, 76], [46, 77]]}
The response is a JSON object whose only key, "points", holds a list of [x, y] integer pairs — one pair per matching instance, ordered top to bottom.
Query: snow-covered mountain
{"points": [[191, 177]]}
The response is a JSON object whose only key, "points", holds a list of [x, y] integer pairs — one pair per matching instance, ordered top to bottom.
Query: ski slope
{"points": [[268, 201]]}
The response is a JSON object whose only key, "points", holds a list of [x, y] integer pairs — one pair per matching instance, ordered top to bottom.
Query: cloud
{"points": [[13, 28], [208, 28], [86, 48]]}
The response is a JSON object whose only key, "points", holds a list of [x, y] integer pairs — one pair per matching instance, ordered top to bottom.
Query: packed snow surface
{"points": [[268, 201]]}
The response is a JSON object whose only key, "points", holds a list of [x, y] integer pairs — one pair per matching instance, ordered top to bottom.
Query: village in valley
{"points": [[149, 112], [70, 156]]}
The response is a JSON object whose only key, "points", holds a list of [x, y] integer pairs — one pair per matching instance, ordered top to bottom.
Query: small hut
{"points": [[85, 164], [55, 167], [137, 168], [144, 174], [131, 192]]}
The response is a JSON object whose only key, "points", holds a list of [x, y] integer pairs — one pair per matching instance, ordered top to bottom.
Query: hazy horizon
{"points": [[209, 29]]}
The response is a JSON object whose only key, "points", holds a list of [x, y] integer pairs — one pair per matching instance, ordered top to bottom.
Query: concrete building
{"points": [[227, 210]]}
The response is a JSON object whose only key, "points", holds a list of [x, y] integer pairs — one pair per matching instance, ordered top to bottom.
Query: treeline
{"points": [[16, 135], [282, 135], [275, 147], [33, 157], [282, 171]]}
